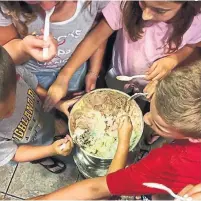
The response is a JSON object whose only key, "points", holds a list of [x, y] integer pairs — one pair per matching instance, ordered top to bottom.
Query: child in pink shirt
{"points": [[147, 31], [135, 57]]}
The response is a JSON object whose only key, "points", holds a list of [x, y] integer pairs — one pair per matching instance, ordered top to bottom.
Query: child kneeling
{"points": [[26, 131]]}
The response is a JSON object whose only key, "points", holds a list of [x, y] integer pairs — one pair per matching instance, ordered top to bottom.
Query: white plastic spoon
{"points": [[47, 29], [129, 78], [165, 188]]}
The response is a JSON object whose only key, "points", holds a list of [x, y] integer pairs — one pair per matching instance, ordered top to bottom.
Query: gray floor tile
{"points": [[6, 173], [32, 179], [9, 197]]}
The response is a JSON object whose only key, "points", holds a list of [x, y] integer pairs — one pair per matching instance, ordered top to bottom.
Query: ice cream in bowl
{"points": [[94, 121]]}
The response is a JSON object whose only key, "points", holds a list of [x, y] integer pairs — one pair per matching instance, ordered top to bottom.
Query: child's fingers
{"points": [[42, 31], [40, 37], [38, 42], [152, 68], [153, 74], [162, 74], [159, 76], [150, 89], [79, 94], [150, 94], [73, 101], [48, 104], [71, 140], [68, 148], [185, 190], [194, 190], [196, 196]]}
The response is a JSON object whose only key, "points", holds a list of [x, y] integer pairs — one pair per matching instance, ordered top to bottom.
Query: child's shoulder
{"points": [[29, 78], [185, 149]]}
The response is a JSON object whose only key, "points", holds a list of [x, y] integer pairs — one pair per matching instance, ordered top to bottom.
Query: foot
{"points": [[54, 165]]}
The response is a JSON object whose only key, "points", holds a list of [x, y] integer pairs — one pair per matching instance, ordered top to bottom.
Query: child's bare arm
{"points": [[11, 33], [31, 46], [85, 49], [96, 62], [41, 92], [63, 106], [26, 153], [120, 158], [85, 190]]}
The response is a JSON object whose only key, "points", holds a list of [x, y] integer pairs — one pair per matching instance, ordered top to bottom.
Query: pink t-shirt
{"points": [[132, 58]]}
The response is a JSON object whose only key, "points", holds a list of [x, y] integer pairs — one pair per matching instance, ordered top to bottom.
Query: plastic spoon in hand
{"points": [[47, 29], [129, 78], [63, 146], [165, 188]]}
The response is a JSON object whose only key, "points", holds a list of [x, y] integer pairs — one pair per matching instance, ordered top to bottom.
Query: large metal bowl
{"points": [[76, 106], [91, 165]]}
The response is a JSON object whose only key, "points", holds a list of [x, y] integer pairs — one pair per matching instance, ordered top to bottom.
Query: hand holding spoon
{"points": [[165, 188]]}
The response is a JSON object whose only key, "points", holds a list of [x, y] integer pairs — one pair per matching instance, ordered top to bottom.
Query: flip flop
{"points": [[56, 167]]}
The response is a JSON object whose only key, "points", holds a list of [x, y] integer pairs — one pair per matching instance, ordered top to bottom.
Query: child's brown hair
{"points": [[132, 16], [7, 74], [178, 99]]}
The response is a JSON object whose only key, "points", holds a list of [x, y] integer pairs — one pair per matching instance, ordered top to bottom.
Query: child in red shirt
{"points": [[175, 112]]}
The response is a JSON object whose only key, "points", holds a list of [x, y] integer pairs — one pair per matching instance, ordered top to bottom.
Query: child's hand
{"points": [[33, 45], [161, 68], [90, 81], [150, 89], [56, 92], [63, 106], [125, 131], [67, 148], [193, 191]]}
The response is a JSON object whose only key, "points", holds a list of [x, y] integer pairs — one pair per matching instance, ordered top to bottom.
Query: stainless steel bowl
{"points": [[91, 165]]}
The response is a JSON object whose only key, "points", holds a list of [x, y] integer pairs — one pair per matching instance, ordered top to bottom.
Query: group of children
{"points": [[153, 38]]}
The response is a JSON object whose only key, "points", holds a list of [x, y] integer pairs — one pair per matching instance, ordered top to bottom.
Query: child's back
{"points": [[28, 123], [26, 132]]}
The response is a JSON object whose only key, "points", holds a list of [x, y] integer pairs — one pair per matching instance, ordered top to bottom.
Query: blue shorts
{"points": [[46, 79]]}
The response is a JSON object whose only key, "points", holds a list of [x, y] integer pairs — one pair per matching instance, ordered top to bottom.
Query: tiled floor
{"points": [[26, 180]]}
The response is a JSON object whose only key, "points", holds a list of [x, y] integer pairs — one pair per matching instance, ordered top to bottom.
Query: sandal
{"points": [[54, 165]]}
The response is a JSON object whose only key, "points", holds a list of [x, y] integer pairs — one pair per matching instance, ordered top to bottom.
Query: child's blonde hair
{"points": [[178, 99]]}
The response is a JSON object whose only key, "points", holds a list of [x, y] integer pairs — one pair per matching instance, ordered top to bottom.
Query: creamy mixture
{"points": [[95, 118]]}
